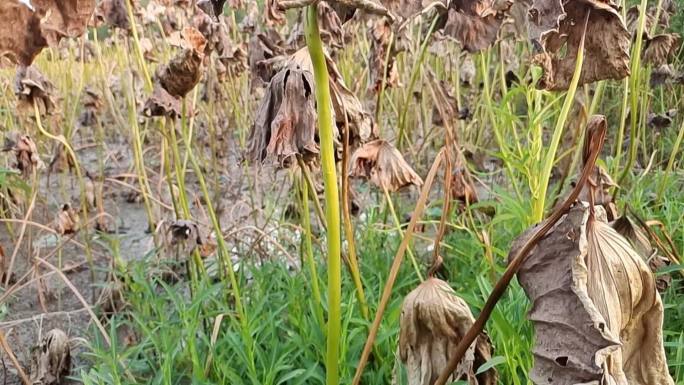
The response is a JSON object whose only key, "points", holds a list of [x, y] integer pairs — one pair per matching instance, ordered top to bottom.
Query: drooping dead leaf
{"points": [[213, 8], [113, 13], [475, 23], [556, 30], [25, 31], [262, 49], [660, 49], [381, 62], [184, 71], [666, 75], [31, 86], [161, 103], [92, 104], [661, 121], [285, 124], [25, 152], [61, 161], [383, 164], [67, 221], [185, 233], [642, 245], [596, 312], [433, 321], [51, 359]]}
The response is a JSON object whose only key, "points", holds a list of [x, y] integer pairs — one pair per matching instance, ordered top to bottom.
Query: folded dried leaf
{"points": [[112, 13], [475, 23], [556, 30], [26, 31], [381, 37], [660, 49], [184, 71], [31, 86], [161, 103], [661, 121], [285, 124], [25, 152], [61, 161], [384, 165], [67, 221], [186, 233], [596, 312], [433, 321], [51, 360]]}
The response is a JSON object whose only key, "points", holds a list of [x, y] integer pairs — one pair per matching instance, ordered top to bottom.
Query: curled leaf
{"points": [[113, 13], [475, 23], [556, 30], [660, 49], [380, 61], [184, 71], [31, 86], [161, 103], [285, 124], [25, 152], [383, 164], [67, 221], [596, 312], [433, 321], [51, 360]]}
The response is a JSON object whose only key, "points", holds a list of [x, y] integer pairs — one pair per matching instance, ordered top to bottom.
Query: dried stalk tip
{"points": [[285, 124], [384, 165], [597, 315], [433, 321], [51, 360]]}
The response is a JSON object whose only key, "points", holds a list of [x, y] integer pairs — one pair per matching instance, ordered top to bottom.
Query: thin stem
{"points": [[332, 209], [397, 223], [308, 253]]}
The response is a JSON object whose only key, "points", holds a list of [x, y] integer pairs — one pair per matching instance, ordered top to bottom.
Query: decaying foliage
{"points": [[112, 13], [475, 24], [556, 29], [25, 31], [661, 49], [380, 61], [184, 71], [666, 75], [31, 86], [161, 103], [92, 105], [661, 121], [285, 124], [25, 152], [383, 164], [462, 188], [67, 221], [641, 243], [3, 265], [596, 312], [433, 321], [51, 359]]}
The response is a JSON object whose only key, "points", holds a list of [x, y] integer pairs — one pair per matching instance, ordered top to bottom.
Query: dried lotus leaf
{"points": [[112, 13], [475, 23], [606, 46], [660, 49], [380, 61], [183, 72], [31, 86], [162, 103], [285, 124], [25, 152], [381, 163], [67, 221], [596, 312], [433, 321], [51, 360]]}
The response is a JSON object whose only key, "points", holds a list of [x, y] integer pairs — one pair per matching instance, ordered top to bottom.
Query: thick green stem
{"points": [[332, 201]]}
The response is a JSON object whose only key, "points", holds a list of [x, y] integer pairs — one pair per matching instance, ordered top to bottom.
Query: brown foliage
{"points": [[112, 13], [475, 23], [556, 30], [24, 32], [381, 37], [661, 49], [184, 71], [32, 86], [161, 103], [285, 123], [25, 152], [384, 165], [67, 221], [596, 312], [433, 321], [51, 360]]}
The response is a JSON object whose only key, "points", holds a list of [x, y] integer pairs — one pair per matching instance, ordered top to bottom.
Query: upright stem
{"points": [[332, 203]]}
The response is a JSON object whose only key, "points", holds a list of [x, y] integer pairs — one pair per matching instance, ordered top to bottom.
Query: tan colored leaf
{"points": [[112, 13], [273, 15], [475, 23], [25, 31], [557, 33], [381, 36], [660, 49], [184, 71], [32, 86], [161, 103], [285, 124], [25, 152], [61, 161], [381, 163], [67, 221], [596, 312], [433, 321], [51, 359]]}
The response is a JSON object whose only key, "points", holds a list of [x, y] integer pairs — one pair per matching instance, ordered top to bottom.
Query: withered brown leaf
{"points": [[113, 13], [475, 23], [556, 30], [25, 31], [381, 34], [660, 49], [184, 71], [32, 86], [161, 103], [285, 124], [25, 151], [381, 163], [67, 221], [596, 312], [433, 321], [51, 359]]}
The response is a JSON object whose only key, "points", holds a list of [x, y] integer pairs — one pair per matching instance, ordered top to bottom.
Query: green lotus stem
{"points": [[138, 47], [634, 80], [549, 160], [670, 164], [332, 197], [316, 291]]}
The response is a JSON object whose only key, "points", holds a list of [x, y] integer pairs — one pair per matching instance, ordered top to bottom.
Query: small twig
{"points": [[597, 139], [13, 358]]}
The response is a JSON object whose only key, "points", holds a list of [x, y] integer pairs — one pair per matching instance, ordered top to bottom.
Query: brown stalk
{"points": [[596, 139], [396, 264], [13, 358]]}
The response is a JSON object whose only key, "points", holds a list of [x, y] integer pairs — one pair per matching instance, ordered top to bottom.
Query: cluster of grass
{"points": [[165, 335]]}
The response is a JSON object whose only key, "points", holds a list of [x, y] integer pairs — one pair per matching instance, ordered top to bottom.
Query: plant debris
{"points": [[31, 86], [25, 151], [381, 163], [67, 221], [51, 360]]}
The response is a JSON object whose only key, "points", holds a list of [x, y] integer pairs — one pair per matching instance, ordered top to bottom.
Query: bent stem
{"points": [[332, 203]]}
